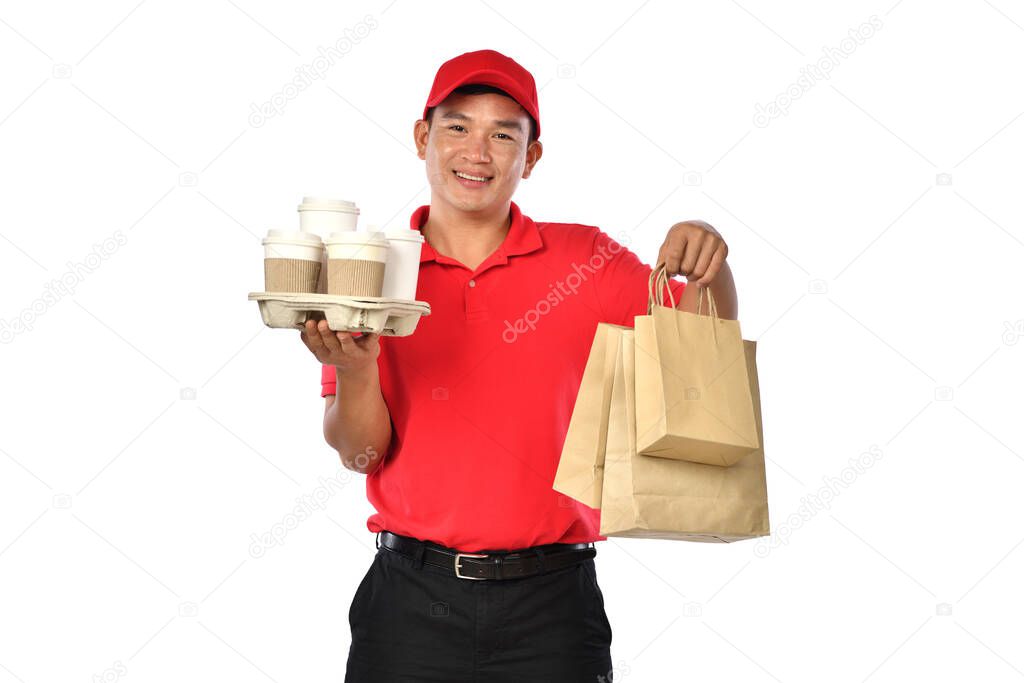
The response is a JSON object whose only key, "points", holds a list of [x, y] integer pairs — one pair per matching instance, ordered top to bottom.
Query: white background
{"points": [[152, 424]]}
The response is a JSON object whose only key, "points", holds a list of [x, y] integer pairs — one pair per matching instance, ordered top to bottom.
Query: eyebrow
{"points": [[502, 123]]}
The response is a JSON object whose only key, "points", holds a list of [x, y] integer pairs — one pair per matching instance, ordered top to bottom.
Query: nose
{"points": [[476, 149]]}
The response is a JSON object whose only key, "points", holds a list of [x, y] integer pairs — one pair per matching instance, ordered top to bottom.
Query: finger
{"points": [[693, 250], [707, 252], [672, 255], [661, 258], [713, 267], [308, 330], [326, 334], [311, 336], [368, 339], [332, 341], [347, 341]]}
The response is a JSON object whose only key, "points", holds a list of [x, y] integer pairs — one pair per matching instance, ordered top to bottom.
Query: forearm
{"points": [[723, 289], [358, 423]]}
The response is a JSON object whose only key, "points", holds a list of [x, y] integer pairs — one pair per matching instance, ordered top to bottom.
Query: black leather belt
{"points": [[495, 565]]}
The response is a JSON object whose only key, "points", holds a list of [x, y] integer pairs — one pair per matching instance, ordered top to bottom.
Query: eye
{"points": [[454, 126], [506, 135]]}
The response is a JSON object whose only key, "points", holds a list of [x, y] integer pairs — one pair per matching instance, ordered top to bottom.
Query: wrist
{"points": [[360, 373]]}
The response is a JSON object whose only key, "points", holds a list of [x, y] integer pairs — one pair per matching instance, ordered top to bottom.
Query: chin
{"points": [[464, 203], [472, 206]]}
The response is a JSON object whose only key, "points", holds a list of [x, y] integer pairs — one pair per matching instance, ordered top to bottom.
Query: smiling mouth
{"points": [[467, 176]]}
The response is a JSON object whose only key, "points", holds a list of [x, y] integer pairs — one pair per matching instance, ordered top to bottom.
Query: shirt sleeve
{"points": [[621, 281], [328, 381]]}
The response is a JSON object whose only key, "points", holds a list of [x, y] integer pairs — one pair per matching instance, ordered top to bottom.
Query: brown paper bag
{"points": [[693, 399], [581, 466], [645, 497]]}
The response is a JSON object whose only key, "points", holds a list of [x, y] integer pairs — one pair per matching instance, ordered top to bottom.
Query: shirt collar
{"points": [[522, 238]]}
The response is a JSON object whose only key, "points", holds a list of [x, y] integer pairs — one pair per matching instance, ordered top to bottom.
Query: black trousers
{"points": [[414, 623]]}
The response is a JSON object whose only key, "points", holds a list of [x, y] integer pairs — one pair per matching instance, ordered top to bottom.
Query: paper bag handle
{"points": [[660, 277], [712, 308]]}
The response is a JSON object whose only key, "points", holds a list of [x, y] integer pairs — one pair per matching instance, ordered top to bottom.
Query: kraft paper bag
{"points": [[693, 398], [581, 466], [645, 497]]}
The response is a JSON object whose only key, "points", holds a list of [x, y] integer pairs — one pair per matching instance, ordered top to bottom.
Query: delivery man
{"points": [[483, 571]]}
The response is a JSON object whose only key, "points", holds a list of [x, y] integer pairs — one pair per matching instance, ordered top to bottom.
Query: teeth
{"points": [[470, 177]]}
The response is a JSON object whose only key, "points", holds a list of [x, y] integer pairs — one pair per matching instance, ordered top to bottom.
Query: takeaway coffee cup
{"points": [[322, 216], [326, 216], [291, 261], [356, 261], [403, 268]]}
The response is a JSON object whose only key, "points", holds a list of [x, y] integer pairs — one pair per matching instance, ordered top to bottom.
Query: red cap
{"points": [[486, 67]]}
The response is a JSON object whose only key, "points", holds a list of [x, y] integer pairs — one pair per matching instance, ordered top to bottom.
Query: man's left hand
{"points": [[694, 249]]}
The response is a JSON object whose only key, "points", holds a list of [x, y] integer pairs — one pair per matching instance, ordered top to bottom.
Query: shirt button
{"points": [[472, 283]]}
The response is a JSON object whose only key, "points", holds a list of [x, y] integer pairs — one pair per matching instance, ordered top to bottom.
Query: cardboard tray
{"points": [[389, 317]]}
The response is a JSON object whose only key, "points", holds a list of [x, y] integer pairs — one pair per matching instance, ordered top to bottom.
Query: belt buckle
{"points": [[459, 566]]}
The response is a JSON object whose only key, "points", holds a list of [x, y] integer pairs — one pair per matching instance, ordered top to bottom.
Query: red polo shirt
{"points": [[480, 395]]}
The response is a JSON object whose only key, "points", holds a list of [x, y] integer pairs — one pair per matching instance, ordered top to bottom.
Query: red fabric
{"points": [[486, 67], [480, 395]]}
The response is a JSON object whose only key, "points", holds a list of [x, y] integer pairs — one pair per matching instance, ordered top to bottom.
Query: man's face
{"points": [[484, 136]]}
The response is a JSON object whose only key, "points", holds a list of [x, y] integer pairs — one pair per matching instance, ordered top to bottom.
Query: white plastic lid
{"points": [[327, 204], [407, 234], [294, 236]]}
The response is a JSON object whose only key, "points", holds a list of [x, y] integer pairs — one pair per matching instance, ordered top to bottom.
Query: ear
{"points": [[420, 133], [533, 155]]}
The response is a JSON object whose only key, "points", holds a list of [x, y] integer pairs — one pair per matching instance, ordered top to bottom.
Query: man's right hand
{"points": [[347, 353]]}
